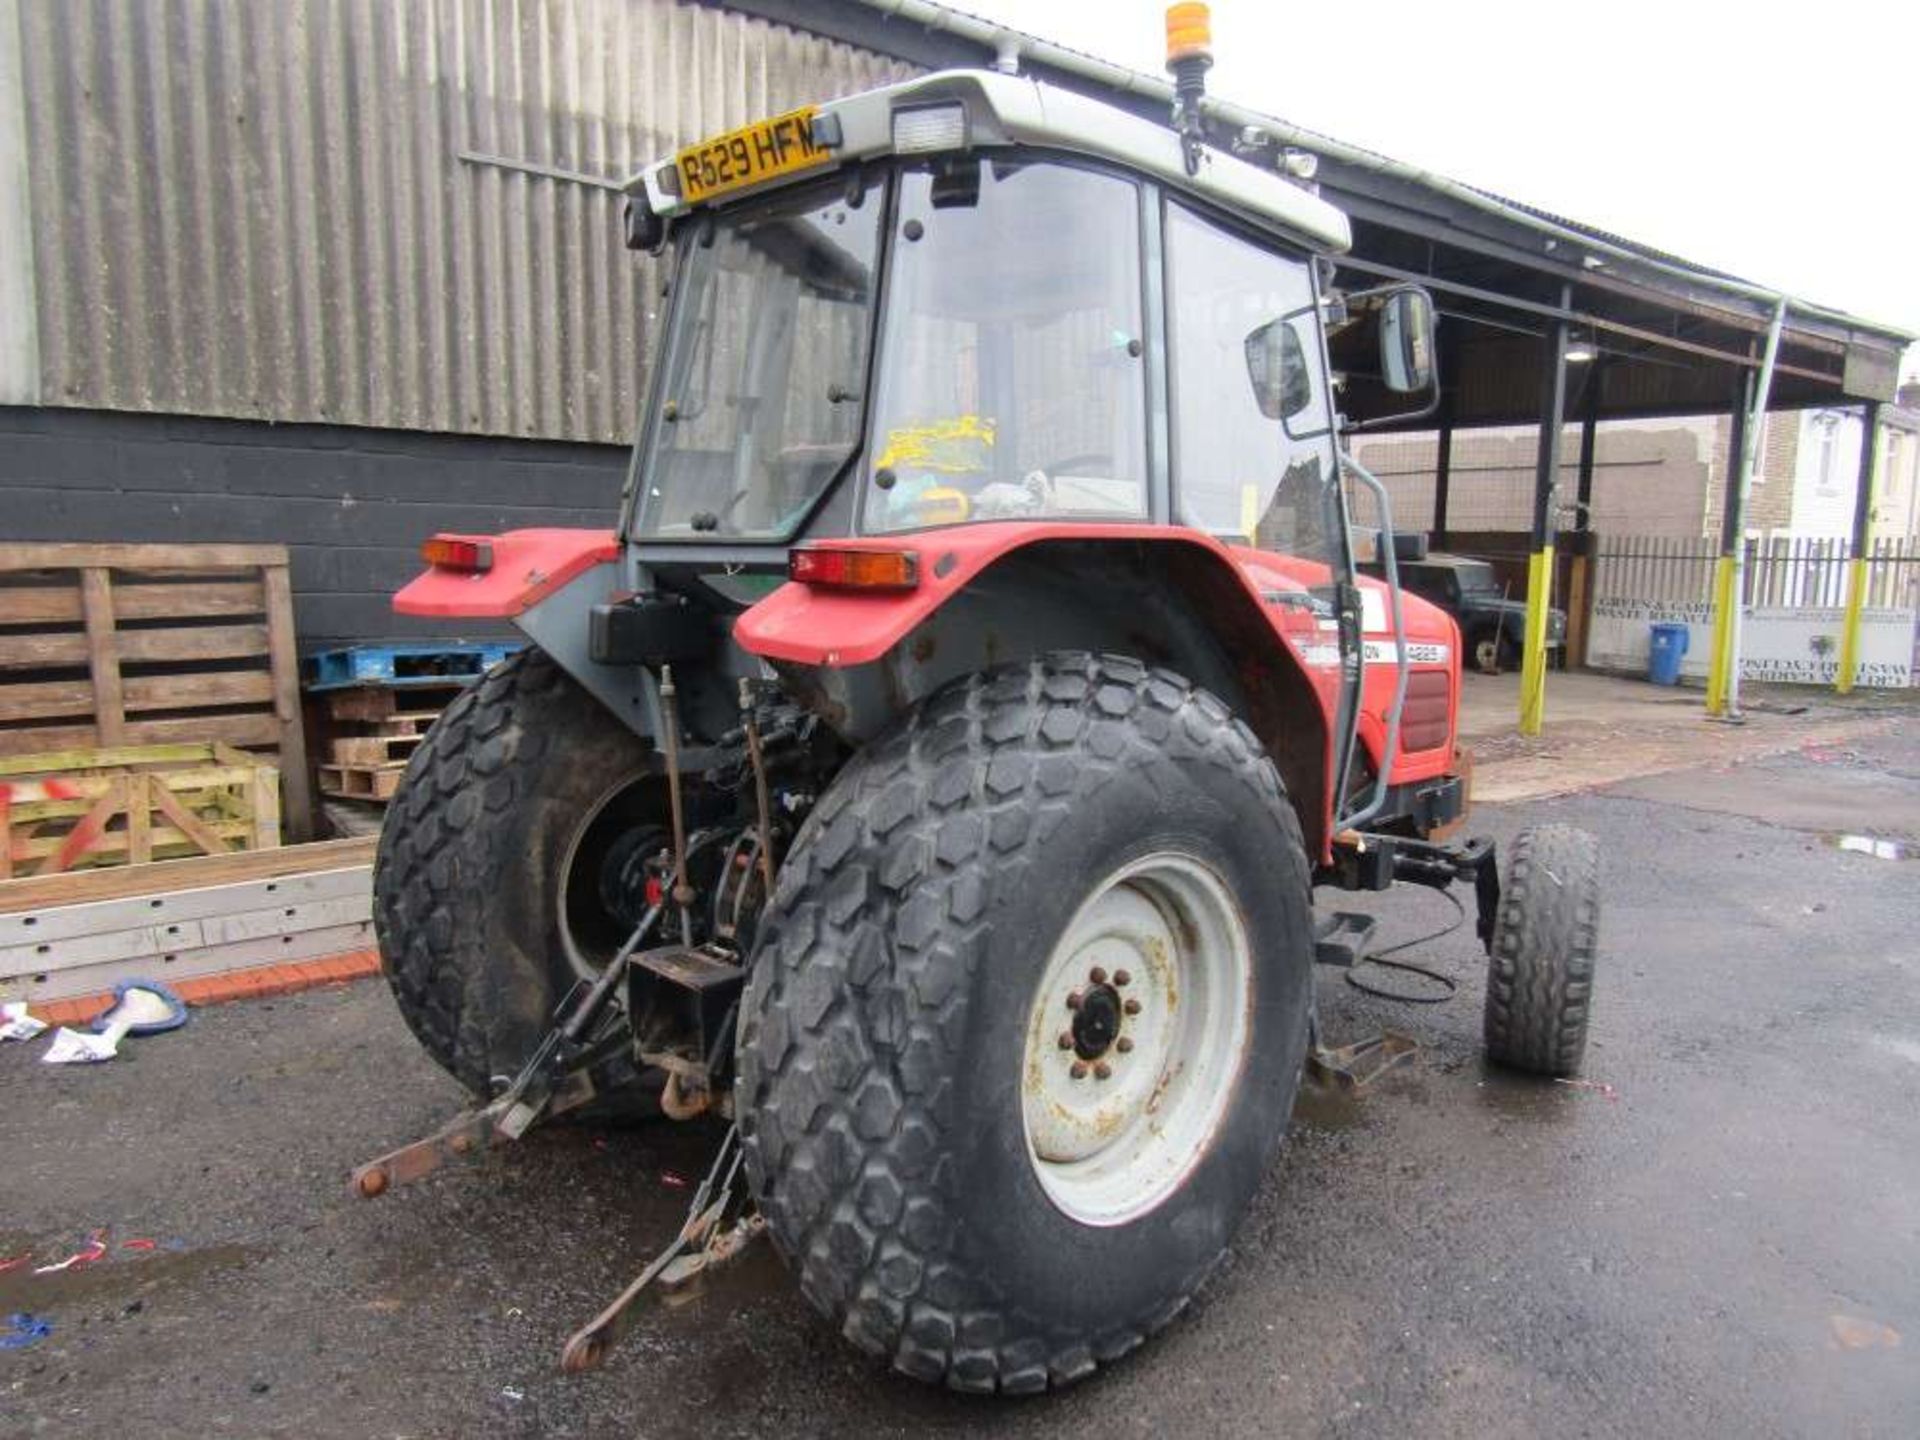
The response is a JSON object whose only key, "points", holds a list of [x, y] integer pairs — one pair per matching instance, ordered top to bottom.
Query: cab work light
{"points": [[929, 127], [468, 554], [855, 569]]}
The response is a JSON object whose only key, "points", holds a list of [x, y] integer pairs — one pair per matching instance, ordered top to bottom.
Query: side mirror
{"points": [[644, 229], [1406, 341], [1277, 367]]}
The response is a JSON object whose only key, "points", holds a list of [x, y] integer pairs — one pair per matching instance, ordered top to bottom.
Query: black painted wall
{"points": [[350, 505]]}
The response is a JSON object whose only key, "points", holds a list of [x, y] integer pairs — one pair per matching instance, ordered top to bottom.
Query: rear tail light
{"points": [[465, 553], [855, 569]]}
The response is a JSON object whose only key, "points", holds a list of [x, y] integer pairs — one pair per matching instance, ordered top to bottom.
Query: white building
{"points": [[1826, 474]]}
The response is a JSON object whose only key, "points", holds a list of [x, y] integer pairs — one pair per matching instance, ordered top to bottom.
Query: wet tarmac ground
{"points": [[1717, 1234]]}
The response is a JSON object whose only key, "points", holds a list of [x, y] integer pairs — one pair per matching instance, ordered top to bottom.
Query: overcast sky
{"points": [[1780, 142]]}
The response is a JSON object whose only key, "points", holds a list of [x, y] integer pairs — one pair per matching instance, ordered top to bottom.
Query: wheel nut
{"points": [[1097, 975], [1123, 977], [1073, 1000], [1132, 1007], [1066, 1040], [1124, 1045], [1078, 1070], [1102, 1071]]}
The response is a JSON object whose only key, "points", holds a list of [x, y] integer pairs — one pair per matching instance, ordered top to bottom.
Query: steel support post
{"points": [[1553, 401], [1442, 480], [1730, 521], [1862, 541], [1580, 570], [1730, 587]]}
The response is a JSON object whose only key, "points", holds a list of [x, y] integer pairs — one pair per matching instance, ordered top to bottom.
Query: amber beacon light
{"points": [[1189, 34], [1189, 54]]}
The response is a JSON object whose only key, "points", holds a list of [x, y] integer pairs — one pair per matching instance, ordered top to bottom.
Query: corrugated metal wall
{"points": [[260, 209]]}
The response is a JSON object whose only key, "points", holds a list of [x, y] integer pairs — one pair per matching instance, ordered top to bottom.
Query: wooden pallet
{"points": [[107, 645], [376, 704], [369, 732], [366, 751], [362, 782], [132, 804]]}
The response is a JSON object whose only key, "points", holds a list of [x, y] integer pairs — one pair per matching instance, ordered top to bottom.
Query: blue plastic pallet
{"points": [[403, 665]]}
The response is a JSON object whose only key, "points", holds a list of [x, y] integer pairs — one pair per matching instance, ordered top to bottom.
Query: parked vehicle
{"points": [[1492, 623], [915, 775]]}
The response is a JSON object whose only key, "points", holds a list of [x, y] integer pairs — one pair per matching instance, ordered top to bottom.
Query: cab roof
{"points": [[1006, 110]]}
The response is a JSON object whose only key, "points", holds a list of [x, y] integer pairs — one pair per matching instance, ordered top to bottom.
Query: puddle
{"points": [[1879, 849], [1530, 1099], [1325, 1107], [119, 1274]]}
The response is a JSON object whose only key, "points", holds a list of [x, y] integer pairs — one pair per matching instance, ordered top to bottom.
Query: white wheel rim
{"points": [[1155, 964]]}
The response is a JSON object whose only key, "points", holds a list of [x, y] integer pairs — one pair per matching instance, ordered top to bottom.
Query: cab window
{"points": [[1011, 380], [1252, 423]]}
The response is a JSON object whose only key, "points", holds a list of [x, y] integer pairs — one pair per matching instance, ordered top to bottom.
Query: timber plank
{"points": [[66, 555], [200, 601], [39, 605], [192, 642], [42, 652], [103, 657], [192, 692], [47, 699], [250, 730], [163, 876]]}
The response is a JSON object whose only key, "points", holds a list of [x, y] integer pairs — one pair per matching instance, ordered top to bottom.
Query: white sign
{"points": [[1777, 642]]}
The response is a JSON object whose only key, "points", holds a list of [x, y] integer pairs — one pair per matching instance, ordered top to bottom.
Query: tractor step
{"points": [[1343, 938], [692, 967]]}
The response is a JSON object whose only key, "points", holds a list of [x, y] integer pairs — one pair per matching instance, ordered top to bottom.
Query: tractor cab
{"points": [[973, 298]]}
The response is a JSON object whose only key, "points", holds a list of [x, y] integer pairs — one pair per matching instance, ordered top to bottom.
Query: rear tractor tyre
{"points": [[486, 901], [1541, 962], [1026, 1019]]}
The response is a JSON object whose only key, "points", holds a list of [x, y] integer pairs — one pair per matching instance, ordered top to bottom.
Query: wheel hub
{"points": [[1096, 1022], [1134, 1038]]}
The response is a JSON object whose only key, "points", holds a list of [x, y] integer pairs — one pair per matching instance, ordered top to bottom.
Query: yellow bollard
{"points": [[1722, 636], [1850, 636], [1533, 662]]}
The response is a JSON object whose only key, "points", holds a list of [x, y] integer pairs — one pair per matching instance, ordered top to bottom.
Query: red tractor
{"points": [[932, 774]]}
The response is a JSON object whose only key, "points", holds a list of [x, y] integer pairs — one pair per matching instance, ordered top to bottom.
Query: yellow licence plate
{"points": [[756, 152]]}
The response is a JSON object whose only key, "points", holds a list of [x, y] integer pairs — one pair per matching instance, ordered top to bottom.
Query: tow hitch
{"points": [[1346, 938], [553, 1081], [721, 1221]]}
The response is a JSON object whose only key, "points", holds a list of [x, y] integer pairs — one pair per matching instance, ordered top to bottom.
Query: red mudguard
{"points": [[528, 566], [845, 627], [837, 628]]}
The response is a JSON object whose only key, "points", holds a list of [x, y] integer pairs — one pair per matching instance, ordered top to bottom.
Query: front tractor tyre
{"points": [[490, 895], [1541, 960], [1026, 1019]]}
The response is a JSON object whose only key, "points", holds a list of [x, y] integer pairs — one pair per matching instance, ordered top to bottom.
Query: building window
{"points": [[1826, 423]]}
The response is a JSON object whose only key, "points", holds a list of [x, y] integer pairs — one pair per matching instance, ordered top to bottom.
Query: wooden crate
{"points": [[104, 645], [132, 804]]}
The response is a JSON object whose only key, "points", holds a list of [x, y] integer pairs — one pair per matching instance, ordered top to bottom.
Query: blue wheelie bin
{"points": [[1664, 649]]}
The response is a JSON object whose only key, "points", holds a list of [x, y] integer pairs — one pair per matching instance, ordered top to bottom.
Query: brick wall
{"points": [[1646, 480], [351, 505]]}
